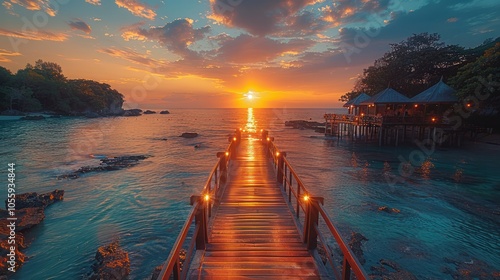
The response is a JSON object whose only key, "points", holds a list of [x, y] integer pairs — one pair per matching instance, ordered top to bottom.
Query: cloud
{"points": [[94, 2], [35, 5], [137, 8], [259, 17], [79, 24], [35, 36], [176, 36], [252, 49], [4, 54], [130, 55]]}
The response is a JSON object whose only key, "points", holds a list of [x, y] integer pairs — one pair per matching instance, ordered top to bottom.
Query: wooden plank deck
{"points": [[253, 234]]}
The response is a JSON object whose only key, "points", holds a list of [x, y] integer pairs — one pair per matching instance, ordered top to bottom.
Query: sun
{"points": [[250, 96]]}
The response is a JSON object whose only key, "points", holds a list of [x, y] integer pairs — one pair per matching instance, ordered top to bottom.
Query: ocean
{"points": [[449, 207]]}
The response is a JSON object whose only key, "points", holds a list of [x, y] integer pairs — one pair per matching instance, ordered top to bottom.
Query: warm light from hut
{"points": [[416, 105], [433, 119]]}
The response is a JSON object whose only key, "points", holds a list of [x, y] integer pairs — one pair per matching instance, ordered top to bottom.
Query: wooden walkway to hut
{"points": [[247, 226], [253, 233]]}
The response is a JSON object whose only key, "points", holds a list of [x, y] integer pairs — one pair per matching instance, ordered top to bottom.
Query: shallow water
{"points": [[448, 208]]}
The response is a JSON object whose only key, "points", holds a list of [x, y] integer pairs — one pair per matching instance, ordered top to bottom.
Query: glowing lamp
{"points": [[416, 105], [468, 105], [433, 119], [234, 139], [268, 139], [227, 154], [277, 154], [207, 197], [306, 198]]}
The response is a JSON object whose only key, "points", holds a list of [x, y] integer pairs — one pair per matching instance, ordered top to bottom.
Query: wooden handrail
{"points": [[201, 208], [312, 209]]}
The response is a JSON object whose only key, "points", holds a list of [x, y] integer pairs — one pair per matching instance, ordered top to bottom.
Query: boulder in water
{"points": [[148, 112], [165, 112], [189, 135], [111, 263]]}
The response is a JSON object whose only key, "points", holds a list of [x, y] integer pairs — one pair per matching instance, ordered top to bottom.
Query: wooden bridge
{"points": [[255, 219]]}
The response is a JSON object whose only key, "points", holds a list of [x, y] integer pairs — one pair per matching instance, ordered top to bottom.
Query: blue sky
{"points": [[212, 53]]}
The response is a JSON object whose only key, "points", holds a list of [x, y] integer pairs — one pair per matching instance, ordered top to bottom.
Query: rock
{"points": [[132, 112], [149, 112], [166, 112], [12, 113], [91, 115], [33, 118], [301, 124], [189, 135], [107, 164], [34, 200], [388, 209], [29, 213], [29, 217], [355, 244], [111, 263], [467, 267], [156, 272], [395, 273]]}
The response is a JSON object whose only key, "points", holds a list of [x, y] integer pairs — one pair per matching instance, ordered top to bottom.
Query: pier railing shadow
{"points": [[312, 219]]}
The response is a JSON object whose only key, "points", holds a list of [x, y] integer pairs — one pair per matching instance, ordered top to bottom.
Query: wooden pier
{"points": [[392, 130], [255, 219]]}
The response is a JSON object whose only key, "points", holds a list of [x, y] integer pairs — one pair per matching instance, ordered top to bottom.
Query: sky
{"points": [[229, 53]]}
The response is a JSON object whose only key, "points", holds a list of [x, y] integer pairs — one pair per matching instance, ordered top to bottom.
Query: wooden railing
{"points": [[307, 211], [200, 213]]}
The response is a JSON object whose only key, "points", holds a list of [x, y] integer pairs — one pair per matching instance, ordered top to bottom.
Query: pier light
{"points": [[416, 105], [468, 105], [362, 114], [433, 119], [234, 139], [268, 139], [227, 154], [277, 154], [207, 197], [306, 198]]}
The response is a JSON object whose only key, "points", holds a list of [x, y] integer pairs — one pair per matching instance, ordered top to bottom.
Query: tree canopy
{"points": [[412, 66], [44, 87]]}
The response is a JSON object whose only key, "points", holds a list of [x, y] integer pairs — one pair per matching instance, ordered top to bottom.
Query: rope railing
{"points": [[308, 211], [200, 214]]}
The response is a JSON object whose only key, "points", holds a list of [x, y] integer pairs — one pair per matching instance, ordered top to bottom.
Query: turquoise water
{"points": [[448, 208]]}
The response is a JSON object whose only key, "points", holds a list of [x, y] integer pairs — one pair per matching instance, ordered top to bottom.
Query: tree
{"points": [[412, 66], [50, 70]]}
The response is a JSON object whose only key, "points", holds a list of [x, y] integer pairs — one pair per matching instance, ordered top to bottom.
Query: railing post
{"points": [[264, 136], [281, 164], [201, 220], [311, 222], [177, 269]]}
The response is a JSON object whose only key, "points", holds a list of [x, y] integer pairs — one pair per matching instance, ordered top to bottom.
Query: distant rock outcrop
{"points": [[148, 112], [165, 112], [132, 113], [189, 135], [107, 164], [29, 213], [111, 263], [390, 270]]}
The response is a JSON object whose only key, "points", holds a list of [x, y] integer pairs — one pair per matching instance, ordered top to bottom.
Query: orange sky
{"points": [[175, 54]]}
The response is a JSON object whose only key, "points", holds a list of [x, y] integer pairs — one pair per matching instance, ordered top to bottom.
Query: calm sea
{"points": [[449, 207]]}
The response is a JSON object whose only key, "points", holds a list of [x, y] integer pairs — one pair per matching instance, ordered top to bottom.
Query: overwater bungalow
{"points": [[353, 105], [389, 116]]}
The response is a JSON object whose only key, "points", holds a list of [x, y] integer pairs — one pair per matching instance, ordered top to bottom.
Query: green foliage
{"points": [[411, 66], [481, 77], [44, 87]]}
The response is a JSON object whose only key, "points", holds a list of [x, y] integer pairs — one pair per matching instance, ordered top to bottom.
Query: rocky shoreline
{"points": [[89, 114], [107, 164], [30, 211], [111, 263]]}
